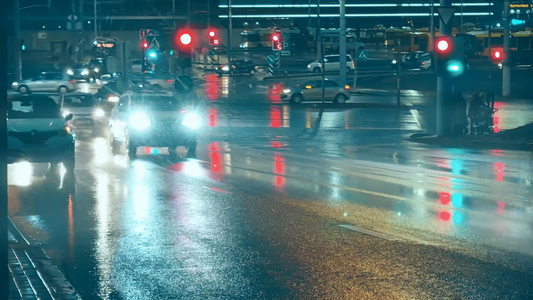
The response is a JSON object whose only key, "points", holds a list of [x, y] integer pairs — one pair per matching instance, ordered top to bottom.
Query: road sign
{"points": [[446, 13], [72, 18], [154, 44], [362, 55], [271, 59]]}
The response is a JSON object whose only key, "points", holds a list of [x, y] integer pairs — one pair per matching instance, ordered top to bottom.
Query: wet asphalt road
{"points": [[286, 202]]}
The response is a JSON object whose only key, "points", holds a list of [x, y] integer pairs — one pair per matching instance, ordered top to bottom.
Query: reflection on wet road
{"points": [[286, 202]]}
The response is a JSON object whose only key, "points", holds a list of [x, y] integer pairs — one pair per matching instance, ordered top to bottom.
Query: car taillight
{"points": [[423, 62], [169, 80], [72, 81], [346, 87], [183, 111]]}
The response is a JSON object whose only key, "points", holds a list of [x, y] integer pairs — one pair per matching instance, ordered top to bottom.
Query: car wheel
{"points": [[316, 70], [348, 70], [252, 72], [24, 89], [63, 89], [297, 98], [340, 98], [113, 144], [130, 147], [191, 149], [70, 162]]}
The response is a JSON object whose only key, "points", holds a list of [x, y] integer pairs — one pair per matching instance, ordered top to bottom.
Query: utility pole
{"points": [[174, 14], [95, 21], [432, 22], [230, 25], [317, 33], [73, 37], [342, 41], [81, 42], [16, 44], [506, 84], [445, 104], [5, 275]]}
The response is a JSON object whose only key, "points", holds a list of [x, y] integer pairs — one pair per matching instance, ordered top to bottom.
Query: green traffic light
{"points": [[455, 67]]}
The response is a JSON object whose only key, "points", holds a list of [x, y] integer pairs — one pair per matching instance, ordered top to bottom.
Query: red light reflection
{"points": [[212, 86], [274, 92], [275, 116], [213, 117], [276, 144], [216, 160], [499, 168], [279, 170], [445, 198], [501, 207], [445, 216]]}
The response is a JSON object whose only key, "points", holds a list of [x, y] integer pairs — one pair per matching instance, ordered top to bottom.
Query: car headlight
{"points": [[394, 61], [225, 68], [96, 70], [70, 72], [85, 72], [15, 83], [286, 91], [112, 99], [98, 112], [65, 113], [139, 120], [191, 120]]}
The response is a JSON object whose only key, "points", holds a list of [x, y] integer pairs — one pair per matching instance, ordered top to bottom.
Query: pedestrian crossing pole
{"points": [[211, 55], [278, 58]]}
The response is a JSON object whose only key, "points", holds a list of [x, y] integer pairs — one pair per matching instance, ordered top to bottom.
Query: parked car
{"points": [[414, 60], [331, 63], [236, 67], [45, 82], [312, 91], [87, 112], [152, 119], [37, 132]]}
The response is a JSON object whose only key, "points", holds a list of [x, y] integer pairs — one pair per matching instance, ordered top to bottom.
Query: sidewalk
{"points": [[32, 274]]}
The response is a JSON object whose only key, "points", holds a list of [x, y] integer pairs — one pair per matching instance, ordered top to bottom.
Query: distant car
{"points": [[414, 60], [332, 63], [236, 67], [84, 72], [156, 80], [45, 82], [312, 91], [87, 113], [152, 119], [37, 132]]}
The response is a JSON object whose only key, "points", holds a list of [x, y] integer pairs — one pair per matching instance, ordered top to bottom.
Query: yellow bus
{"points": [[409, 41]]}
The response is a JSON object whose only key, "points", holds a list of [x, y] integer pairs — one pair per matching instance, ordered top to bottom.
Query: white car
{"points": [[332, 63], [45, 82], [87, 113], [37, 132]]}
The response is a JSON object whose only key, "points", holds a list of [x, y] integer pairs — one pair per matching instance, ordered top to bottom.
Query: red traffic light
{"points": [[212, 33], [275, 37], [185, 38], [216, 42], [145, 44], [279, 46], [443, 46], [497, 54]]}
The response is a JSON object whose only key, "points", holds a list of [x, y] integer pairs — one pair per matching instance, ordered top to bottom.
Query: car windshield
{"points": [[79, 101], [158, 102], [32, 107]]}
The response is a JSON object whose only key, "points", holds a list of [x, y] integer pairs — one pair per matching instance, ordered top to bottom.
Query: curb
{"points": [[481, 143], [40, 265]]}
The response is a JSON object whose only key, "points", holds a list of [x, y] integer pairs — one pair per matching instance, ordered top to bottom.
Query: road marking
{"points": [[416, 115], [216, 189], [370, 232]]}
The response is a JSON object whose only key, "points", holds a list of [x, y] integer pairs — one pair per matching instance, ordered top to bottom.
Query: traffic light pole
{"points": [[506, 83], [445, 103]]}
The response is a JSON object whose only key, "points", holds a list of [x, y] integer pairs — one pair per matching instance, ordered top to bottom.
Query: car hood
{"points": [[38, 124]]}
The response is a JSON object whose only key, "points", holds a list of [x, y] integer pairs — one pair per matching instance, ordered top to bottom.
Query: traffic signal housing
{"points": [[213, 38], [184, 42], [276, 42], [449, 56]]}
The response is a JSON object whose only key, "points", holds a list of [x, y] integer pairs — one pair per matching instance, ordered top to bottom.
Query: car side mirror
{"points": [[69, 117]]}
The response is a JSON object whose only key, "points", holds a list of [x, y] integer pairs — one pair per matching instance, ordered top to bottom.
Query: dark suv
{"points": [[236, 67], [152, 119]]}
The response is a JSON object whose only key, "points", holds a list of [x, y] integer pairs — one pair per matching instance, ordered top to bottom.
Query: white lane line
{"points": [[416, 115], [370, 232]]}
